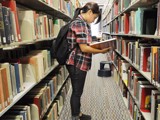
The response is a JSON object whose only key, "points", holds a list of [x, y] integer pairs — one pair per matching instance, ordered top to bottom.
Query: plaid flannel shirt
{"points": [[79, 33]]}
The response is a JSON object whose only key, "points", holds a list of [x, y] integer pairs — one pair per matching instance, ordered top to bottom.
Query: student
{"points": [[79, 61]]}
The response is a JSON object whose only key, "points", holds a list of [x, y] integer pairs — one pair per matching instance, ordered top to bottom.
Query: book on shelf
{"points": [[13, 7], [158, 18], [144, 19], [149, 21], [126, 23], [7, 24], [27, 24], [2, 28], [104, 44], [154, 53], [144, 55], [36, 62], [7, 66], [124, 71], [130, 72], [3, 73], [28, 73], [13, 80], [135, 81], [19, 82], [140, 82], [51, 87], [145, 97], [2, 100], [155, 100], [38, 101], [131, 105], [26, 108], [55, 110], [17, 112], [34, 112], [12, 117]]}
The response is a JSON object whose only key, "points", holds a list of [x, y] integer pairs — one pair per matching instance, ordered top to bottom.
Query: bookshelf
{"points": [[39, 5], [52, 17], [127, 21], [28, 86]]}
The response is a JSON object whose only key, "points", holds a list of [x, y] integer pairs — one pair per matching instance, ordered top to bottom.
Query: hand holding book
{"points": [[106, 49]]}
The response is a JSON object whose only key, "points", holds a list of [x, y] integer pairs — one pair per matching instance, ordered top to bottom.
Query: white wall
{"points": [[95, 29]]}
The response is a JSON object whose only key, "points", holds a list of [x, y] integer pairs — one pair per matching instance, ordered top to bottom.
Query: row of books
{"points": [[121, 5], [66, 7], [117, 7], [16, 21], [136, 22], [138, 53], [145, 56], [15, 72], [142, 95], [42, 102], [58, 104], [132, 107]]}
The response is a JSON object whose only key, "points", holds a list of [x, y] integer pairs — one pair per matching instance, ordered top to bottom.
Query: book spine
{"points": [[6, 20], [2, 29]]}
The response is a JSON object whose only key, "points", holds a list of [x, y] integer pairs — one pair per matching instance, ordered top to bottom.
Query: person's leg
{"points": [[77, 81]]}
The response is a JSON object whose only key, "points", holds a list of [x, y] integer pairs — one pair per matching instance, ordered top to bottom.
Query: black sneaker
{"points": [[85, 117]]}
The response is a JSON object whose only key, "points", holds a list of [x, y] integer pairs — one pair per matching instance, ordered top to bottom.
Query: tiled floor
{"points": [[101, 98]]}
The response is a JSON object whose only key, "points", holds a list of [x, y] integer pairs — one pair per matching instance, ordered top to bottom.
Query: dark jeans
{"points": [[77, 80]]}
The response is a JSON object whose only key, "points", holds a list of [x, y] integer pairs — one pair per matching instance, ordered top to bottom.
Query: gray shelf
{"points": [[136, 35], [15, 44]]}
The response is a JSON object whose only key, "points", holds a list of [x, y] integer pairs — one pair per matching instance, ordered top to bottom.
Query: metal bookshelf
{"points": [[44, 7], [28, 86], [146, 115]]}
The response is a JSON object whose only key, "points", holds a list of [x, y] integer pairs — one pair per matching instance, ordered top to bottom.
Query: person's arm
{"points": [[88, 49]]}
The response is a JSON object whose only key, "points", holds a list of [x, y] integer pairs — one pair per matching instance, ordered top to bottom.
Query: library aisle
{"points": [[101, 99]]}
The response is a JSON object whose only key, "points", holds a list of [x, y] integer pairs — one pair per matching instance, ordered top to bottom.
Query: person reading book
{"points": [[79, 60]]}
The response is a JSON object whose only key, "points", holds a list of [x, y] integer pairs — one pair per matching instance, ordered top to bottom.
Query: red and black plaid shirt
{"points": [[79, 33]]}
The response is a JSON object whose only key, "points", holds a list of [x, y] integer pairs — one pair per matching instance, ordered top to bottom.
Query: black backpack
{"points": [[60, 47]]}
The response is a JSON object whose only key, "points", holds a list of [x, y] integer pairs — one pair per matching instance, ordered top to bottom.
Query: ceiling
{"points": [[100, 2]]}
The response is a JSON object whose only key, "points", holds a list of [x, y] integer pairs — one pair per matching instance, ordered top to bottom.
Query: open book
{"points": [[104, 44]]}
